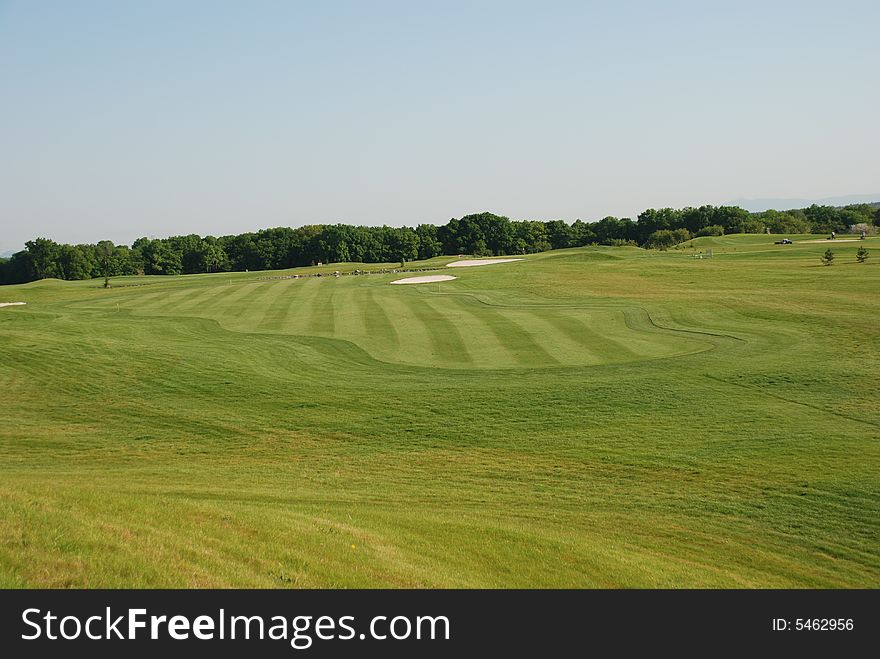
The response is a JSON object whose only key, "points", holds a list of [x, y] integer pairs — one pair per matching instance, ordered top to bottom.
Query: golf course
{"points": [[596, 417]]}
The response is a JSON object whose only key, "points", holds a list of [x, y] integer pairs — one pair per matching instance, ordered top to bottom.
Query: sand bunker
{"points": [[466, 263], [424, 280], [11, 304]]}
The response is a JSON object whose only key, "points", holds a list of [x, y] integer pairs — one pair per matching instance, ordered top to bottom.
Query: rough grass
{"points": [[597, 417]]}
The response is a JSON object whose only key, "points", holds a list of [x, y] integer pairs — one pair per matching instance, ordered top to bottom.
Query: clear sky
{"points": [[120, 119]]}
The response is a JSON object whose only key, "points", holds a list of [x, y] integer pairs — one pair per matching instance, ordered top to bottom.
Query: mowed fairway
{"points": [[442, 325], [595, 417]]}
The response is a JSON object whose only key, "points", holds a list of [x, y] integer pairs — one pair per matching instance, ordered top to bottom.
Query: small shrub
{"points": [[711, 230], [862, 255], [828, 257]]}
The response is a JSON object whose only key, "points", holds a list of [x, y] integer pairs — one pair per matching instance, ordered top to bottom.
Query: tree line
{"points": [[481, 234]]}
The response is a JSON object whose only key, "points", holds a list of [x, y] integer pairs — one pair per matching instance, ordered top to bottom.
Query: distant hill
{"points": [[757, 205], [6, 255]]}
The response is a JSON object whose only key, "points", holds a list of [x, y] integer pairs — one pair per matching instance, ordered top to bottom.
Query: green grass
{"points": [[596, 417]]}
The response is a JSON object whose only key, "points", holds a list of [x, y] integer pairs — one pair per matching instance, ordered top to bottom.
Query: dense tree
{"points": [[857, 214], [697, 219], [734, 219], [825, 219], [653, 220], [792, 221], [748, 225], [611, 229], [497, 231], [478, 234], [559, 234], [582, 234], [448, 235], [531, 236], [666, 238], [472, 239], [429, 241], [334, 244], [403, 244], [243, 252], [104, 256], [44, 257], [159, 257], [215, 258], [77, 262], [123, 262], [18, 269]]}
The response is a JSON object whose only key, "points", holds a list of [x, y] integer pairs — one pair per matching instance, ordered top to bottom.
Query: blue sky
{"points": [[120, 119]]}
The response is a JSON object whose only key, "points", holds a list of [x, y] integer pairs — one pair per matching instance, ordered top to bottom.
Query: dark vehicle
{"points": [[784, 241]]}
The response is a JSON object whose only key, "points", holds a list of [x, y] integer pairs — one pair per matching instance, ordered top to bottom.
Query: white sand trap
{"points": [[831, 242], [467, 263], [424, 280], [11, 304]]}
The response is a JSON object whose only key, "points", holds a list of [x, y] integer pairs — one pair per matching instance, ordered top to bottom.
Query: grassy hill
{"points": [[589, 417]]}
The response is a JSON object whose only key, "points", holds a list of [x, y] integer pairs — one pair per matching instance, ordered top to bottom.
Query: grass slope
{"points": [[588, 417]]}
